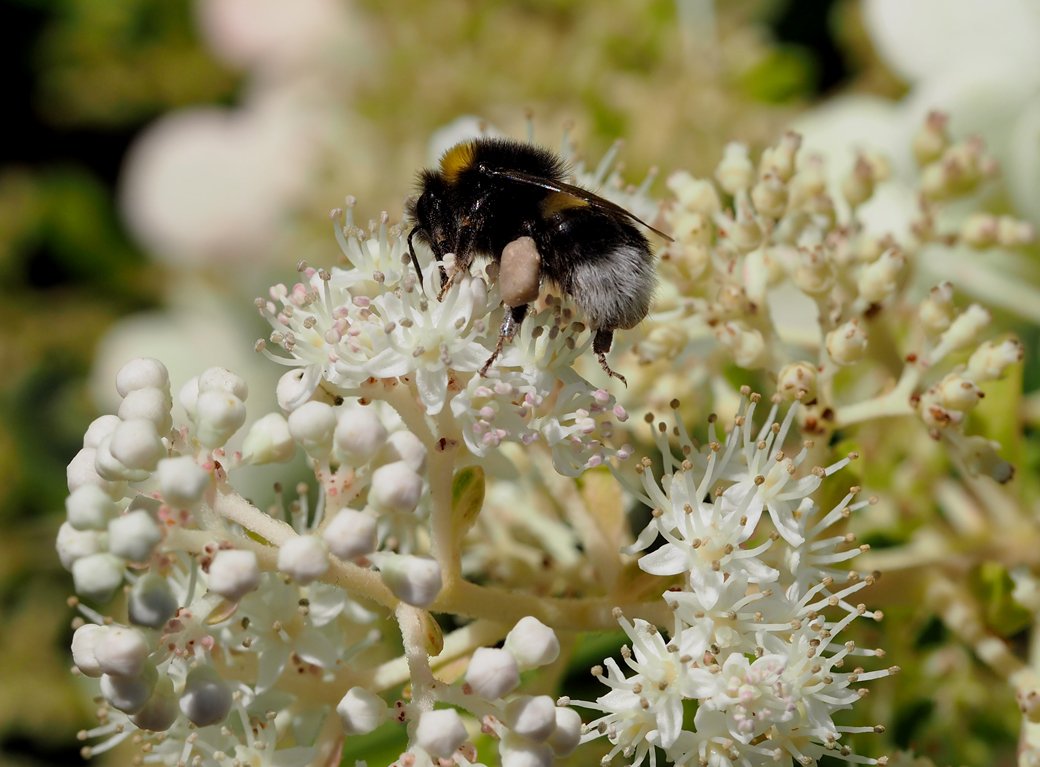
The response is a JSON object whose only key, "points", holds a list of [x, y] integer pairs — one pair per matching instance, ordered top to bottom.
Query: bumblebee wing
{"points": [[561, 187]]}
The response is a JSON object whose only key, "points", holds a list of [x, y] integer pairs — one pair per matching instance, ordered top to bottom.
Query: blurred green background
{"points": [[93, 267]]}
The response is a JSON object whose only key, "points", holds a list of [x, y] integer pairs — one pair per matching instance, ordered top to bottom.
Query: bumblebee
{"points": [[488, 195]]}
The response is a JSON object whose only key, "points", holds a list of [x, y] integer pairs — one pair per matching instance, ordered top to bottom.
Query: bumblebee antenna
{"points": [[415, 261]]}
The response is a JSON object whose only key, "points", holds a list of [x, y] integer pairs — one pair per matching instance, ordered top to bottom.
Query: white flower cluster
{"points": [[800, 275], [757, 610]]}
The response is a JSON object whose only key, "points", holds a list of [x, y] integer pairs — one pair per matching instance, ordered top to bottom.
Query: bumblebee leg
{"points": [[511, 320], [601, 345]]}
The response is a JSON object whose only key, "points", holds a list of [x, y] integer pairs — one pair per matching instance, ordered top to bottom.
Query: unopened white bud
{"points": [[931, 139], [780, 161], [736, 171], [858, 185], [694, 194], [769, 196], [979, 230], [1012, 233], [813, 273], [879, 280], [937, 309], [963, 331], [664, 341], [847, 343], [747, 345], [987, 363], [142, 373], [221, 379], [797, 381], [297, 387], [958, 393], [188, 396], [152, 405], [934, 413], [218, 415], [312, 426], [99, 428], [359, 435], [268, 441], [136, 445], [404, 446], [981, 457], [110, 468], [82, 470], [182, 481], [395, 487], [89, 508], [350, 534], [133, 535], [72, 544], [303, 558], [233, 573], [97, 576], [414, 580], [151, 602], [84, 640], [532, 643], [121, 651], [492, 673], [129, 693], [206, 698], [160, 710], [361, 711], [532, 716], [440, 732], [567, 735], [518, 751]]}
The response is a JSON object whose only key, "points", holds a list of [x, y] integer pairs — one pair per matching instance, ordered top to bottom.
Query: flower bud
{"points": [[931, 139], [780, 160], [736, 171], [858, 185], [694, 194], [769, 196], [979, 230], [1012, 233], [813, 273], [878, 280], [937, 310], [963, 331], [847, 343], [745, 344], [989, 361], [142, 373], [221, 379], [797, 381], [297, 387], [958, 393], [188, 396], [152, 405], [218, 415], [312, 426], [99, 428], [359, 435], [268, 441], [136, 445], [404, 446], [980, 457], [110, 468], [82, 470], [182, 481], [395, 487], [89, 508], [350, 534], [133, 535], [72, 544], [303, 558], [233, 573], [97, 576], [414, 580], [151, 602], [84, 640], [532, 643], [121, 651], [492, 673], [129, 693], [206, 698], [160, 711], [361, 711], [532, 716], [440, 732], [567, 735], [518, 751]]}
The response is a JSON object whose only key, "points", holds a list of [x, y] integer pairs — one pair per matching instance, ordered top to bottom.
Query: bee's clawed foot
{"points": [[610, 372]]}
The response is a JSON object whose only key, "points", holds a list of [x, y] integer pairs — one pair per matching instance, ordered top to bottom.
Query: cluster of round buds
{"points": [[949, 168], [533, 730]]}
